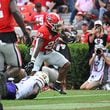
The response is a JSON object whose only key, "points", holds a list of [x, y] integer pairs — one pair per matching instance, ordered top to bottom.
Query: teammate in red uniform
{"points": [[38, 17], [47, 37], [8, 51]]}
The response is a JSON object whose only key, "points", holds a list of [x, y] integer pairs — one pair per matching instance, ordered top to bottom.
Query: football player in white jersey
{"points": [[28, 87]]}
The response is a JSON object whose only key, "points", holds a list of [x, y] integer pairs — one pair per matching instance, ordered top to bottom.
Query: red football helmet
{"points": [[54, 22]]}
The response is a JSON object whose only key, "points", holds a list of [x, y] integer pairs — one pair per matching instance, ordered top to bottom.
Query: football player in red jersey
{"points": [[38, 17], [47, 37], [8, 51]]}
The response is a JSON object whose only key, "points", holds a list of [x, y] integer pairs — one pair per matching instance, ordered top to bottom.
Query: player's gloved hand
{"points": [[27, 39], [28, 67]]}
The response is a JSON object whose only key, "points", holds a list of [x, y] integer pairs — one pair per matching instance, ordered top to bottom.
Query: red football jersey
{"points": [[38, 17], [6, 18], [50, 40]]}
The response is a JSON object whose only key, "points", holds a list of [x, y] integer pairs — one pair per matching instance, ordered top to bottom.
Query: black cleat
{"points": [[58, 87], [62, 92]]}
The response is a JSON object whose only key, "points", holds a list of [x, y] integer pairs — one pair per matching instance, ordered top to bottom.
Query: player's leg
{"points": [[12, 59], [60, 61], [38, 62], [52, 73], [63, 73], [2, 77], [53, 77], [3, 90]]}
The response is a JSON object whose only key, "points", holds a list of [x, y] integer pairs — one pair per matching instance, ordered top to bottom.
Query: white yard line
{"points": [[63, 96], [62, 106]]}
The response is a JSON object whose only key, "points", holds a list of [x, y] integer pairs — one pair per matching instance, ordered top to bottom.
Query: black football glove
{"points": [[28, 39], [28, 67]]}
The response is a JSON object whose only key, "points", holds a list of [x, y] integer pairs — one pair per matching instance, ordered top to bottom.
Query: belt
{"points": [[47, 52]]}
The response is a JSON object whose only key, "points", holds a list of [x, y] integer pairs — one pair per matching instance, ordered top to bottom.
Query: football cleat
{"points": [[58, 87]]}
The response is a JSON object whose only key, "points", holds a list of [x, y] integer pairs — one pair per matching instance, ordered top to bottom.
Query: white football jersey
{"points": [[26, 85]]}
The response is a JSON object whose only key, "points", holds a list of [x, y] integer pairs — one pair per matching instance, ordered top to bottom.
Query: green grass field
{"points": [[74, 100]]}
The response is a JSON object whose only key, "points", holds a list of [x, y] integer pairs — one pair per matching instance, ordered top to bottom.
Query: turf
{"points": [[74, 100]]}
